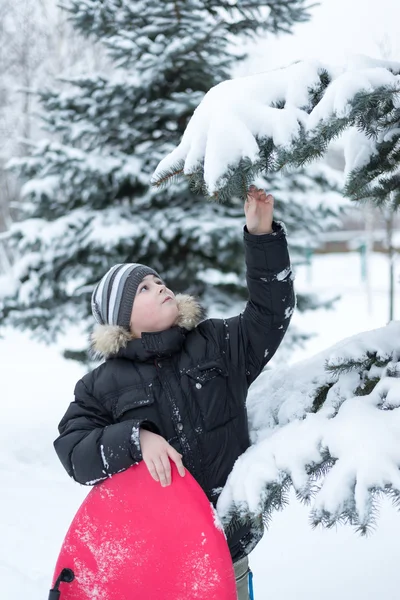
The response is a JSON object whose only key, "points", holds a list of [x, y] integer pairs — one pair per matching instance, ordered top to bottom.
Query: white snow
{"points": [[342, 90], [233, 114], [358, 149], [135, 438], [103, 457], [217, 520]]}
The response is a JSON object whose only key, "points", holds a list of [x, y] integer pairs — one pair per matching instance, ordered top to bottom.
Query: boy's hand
{"points": [[259, 209], [156, 453]]}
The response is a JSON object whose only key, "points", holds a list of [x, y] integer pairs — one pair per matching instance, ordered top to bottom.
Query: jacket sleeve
{"points": [[251, 339], [91, 446]]}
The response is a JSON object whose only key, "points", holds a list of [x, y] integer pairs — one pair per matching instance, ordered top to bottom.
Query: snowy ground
{"points": [[293, 562]]}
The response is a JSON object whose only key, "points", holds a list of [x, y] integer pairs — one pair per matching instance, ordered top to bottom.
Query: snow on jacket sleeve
{"points": [[252, 338], [90, 446]]}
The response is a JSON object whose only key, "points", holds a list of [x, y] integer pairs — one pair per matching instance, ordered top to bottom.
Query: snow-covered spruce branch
{"points": [[286, 118], [330, 428]]}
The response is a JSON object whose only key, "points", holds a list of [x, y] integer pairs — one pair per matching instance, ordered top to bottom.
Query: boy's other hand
{"points": [[259, 209], [156, 454]]}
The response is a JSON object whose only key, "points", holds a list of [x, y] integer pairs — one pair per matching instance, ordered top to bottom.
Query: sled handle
{"points": [[66, 575]]}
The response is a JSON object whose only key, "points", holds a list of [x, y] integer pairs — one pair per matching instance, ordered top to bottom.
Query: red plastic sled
{"points": [[132, 539]]}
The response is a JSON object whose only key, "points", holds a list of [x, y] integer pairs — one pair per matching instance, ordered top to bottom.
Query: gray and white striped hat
{"points": [[113, 296]]}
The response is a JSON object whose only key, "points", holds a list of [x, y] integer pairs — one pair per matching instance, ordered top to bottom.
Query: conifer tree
{"points": [[88, 202], [327, 427]]}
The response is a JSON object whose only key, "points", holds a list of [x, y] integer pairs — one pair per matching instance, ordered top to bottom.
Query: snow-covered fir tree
{"points": [[88, 202], [329, 427]]}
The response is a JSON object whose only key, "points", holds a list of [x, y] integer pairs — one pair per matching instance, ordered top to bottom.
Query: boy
{"points": [[174, 387]]}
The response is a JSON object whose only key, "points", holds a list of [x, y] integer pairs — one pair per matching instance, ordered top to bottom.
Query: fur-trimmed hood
{"points": [[109, 340]]}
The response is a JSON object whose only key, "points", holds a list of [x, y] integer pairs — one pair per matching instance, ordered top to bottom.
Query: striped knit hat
{"points": [[113, 296]]}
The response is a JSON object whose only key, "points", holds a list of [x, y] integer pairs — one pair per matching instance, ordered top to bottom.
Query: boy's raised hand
{"points": [[259, 209], [156, 453]]}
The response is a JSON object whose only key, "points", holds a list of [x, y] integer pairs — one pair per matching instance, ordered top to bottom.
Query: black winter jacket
{"points": [[188, 385]]}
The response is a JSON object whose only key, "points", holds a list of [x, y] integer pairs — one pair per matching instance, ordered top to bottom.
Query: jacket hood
{"points": [[110, 340]]}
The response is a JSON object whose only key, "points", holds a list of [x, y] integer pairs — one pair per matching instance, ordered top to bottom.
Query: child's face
{"points": [[152, 310]]}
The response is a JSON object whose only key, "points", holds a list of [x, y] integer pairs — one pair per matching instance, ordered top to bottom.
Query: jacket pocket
{"points": [[209, 388], [135, 403]]}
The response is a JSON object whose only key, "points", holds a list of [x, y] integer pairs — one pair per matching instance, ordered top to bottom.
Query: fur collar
{"points": [[108, 340]]}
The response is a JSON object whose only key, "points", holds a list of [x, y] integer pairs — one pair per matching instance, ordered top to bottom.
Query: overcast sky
{"points": [[337, 28]]}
